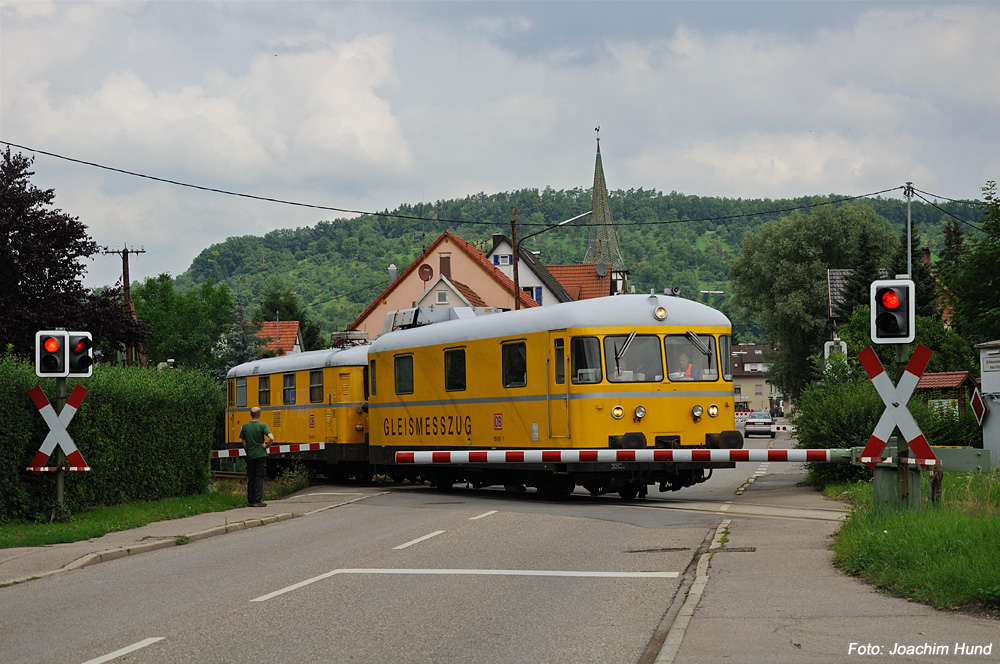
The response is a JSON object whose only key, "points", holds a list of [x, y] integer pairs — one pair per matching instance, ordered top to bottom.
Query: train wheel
{"points": [[630, 491]]}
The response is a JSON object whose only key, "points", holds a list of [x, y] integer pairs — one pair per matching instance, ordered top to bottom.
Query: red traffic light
{"points": [[890, 298], [51, 345]]}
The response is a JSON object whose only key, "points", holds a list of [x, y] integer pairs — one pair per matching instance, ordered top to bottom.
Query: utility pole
{"points": [[124, 252], [515, 258]]}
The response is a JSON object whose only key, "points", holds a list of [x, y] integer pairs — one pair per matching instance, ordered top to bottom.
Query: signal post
{"points": [[893, 307], [60, 354]]}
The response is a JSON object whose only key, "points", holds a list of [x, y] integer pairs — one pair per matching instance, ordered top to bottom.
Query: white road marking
{"points": [[761, 470], [346, 502], [482, 515], [418, 540], [475, 572], [124, 651]]}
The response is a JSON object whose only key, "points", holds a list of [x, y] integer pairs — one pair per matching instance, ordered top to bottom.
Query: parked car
{"points": [[758, 423]]}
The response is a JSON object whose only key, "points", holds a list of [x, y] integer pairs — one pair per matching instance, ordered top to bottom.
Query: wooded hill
{"points": [[338, 266]]}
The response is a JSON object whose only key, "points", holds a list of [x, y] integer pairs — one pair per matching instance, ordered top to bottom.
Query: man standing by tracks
{"points": [[256, 437]]}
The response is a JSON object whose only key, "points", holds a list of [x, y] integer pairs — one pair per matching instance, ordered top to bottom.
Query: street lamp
{"points": [[517, 245]]}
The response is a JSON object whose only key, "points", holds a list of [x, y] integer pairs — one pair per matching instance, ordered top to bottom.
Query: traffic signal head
{"points": [[892, 311], [51, 353], [81, 354]]}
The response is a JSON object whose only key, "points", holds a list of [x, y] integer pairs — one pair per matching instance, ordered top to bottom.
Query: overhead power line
{"points": [[436, 219]]}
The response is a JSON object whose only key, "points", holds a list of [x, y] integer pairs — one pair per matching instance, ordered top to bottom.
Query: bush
{"points": [[146, 435]]}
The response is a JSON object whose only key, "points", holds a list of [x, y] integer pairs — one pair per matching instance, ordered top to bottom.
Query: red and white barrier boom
{"points": [[896, 414], [58, 436], [273, 449], [644, 455]]}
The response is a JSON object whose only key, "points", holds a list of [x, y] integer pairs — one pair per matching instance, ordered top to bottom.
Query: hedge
{"points": [[145, 434]]}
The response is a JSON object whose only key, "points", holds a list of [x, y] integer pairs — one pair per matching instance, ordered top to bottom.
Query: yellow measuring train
{"points": [[625, 372]]}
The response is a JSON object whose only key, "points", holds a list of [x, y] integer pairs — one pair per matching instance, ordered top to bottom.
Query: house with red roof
{"points": [[449, 273], [281, 337], [948, 391]]}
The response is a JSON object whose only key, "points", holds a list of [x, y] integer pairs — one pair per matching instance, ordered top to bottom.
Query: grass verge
{"points": [[224, 495], [944, 555]]}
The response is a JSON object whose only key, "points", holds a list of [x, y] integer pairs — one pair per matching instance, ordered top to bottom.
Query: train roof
{"points": [[612, 311], [311, 359]]}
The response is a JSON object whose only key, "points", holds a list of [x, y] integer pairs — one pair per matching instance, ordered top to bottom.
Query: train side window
{"points": [[726, 356], [559, 357], [514, 358], [585, 360], [635, 361], [686, 361], [454, 369], [404, 374], [371, 375], [316, 386], [288, 388], [264, 391], [241, 392], [230, 393]]}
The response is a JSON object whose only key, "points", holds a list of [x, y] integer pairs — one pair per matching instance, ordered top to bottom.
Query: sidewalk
{"points": [[26, 563], [772, 594]]}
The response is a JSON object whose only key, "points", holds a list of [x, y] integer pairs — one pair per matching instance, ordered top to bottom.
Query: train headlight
{"points": [[660, 313], [713, 410], [617, 412], [640, 412], [697, 412]]}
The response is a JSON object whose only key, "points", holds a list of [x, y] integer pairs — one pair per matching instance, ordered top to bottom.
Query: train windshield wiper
{"points": [[698, 343]]}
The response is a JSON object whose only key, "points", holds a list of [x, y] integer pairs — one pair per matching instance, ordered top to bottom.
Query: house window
{"points": [[503, 259], [442, 297], [514, 357], [454, 369], [404, 374], [316, 386], [288, 388], [758, 389], [737, 390], [264, 391], [241, 392]]}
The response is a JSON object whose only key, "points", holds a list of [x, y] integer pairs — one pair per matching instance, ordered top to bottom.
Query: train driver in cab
{"points": [[685, 369]]}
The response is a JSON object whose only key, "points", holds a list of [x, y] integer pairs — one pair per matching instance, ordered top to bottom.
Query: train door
{"points": [[557, 391]]}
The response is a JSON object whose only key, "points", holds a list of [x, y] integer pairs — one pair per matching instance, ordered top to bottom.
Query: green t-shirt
{"points": [[253, 435]]}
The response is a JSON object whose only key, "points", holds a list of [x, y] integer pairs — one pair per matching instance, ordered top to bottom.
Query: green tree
{"points": [[41, 251], [865, 265], [781, 276], [976, 282], [283, 304], [186, 327], [239, 344]]}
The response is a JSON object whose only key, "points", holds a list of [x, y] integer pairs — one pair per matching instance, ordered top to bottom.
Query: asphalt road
{"points": [[402, 574]]}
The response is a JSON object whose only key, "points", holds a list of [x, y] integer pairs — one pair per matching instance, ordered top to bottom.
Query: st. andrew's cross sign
{"points": [[896, 415]]}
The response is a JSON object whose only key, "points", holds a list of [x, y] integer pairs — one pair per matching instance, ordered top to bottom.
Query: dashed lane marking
{"points": [[418, 540], [474, 572], [124, 651]]}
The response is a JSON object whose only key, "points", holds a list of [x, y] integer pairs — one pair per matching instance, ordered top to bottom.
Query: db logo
{"points": [[497, 422]]}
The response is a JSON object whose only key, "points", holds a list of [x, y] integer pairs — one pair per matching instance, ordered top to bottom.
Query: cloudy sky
{"points": [[365, 106]]}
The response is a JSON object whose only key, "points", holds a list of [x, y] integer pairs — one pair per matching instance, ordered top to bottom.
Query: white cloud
{"points": [[369, 105]]}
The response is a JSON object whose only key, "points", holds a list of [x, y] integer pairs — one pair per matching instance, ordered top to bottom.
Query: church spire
{"points": [[602, 243]]}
